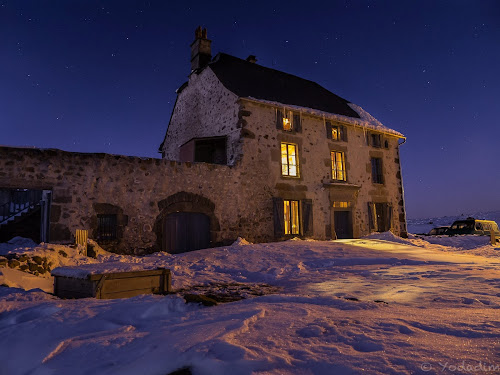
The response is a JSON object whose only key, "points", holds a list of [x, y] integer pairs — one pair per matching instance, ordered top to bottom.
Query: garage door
{"points": [[186, 231]]}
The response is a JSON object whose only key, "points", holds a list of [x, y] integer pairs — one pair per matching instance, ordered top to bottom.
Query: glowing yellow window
{"points": [[287, 124], [335, 133], [289, 165], [338, 166], [341, 204], [291, 217]]}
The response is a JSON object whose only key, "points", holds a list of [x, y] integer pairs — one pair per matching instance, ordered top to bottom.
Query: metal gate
{"points": [[186, 231]]}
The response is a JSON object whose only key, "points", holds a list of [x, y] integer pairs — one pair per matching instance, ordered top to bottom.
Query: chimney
{"points": [[201, 52], [252, 59]]}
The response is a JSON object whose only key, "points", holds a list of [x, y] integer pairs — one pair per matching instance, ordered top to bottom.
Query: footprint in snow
{"points": [[311, 331], [367, 346]]}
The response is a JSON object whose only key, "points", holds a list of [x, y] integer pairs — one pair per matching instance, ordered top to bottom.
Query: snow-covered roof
{"points": [[252, 81], [365, 120]]}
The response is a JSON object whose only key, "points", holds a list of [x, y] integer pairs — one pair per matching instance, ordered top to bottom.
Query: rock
{"points": [[91, 252], [63, 253], [23, 258], [37, 259], [3, 261], [13, 263], [32, 266], [23, 267], [41, 270], [199, 298]]}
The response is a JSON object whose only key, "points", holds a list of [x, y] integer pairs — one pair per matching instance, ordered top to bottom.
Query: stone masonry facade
{"points": [[239, 197]]}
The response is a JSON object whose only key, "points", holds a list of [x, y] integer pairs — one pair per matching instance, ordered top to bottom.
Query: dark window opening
{"points": [[374, 139], [211, 150], [377, 174], [106, 227]]}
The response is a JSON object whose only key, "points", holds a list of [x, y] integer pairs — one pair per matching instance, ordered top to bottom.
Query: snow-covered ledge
{"points": [[341, 185]]}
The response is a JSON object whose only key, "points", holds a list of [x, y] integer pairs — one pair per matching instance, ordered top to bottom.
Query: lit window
{"points": [[288, 120], [287, 124], [336, 132], [289, 165], [338, 166], [377, 175], [341, 204], [291, 216]]}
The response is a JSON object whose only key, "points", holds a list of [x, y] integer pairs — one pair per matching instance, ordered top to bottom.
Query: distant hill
{"points": [[425, 225]]}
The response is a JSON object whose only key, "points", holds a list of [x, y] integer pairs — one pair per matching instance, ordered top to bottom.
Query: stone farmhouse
{"points": [[249, 152]]}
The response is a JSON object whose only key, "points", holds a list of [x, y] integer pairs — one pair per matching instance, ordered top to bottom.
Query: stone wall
{"points": [[204, 108], [261, 150], [139, 190], [237, 198]]}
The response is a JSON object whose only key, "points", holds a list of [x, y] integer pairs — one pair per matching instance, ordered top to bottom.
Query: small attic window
{"points": [[288, 120], [287, 124], [336, 132], [374, 139]]}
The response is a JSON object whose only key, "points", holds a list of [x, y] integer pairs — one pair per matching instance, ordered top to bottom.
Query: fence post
{"points": [[81, 239]]}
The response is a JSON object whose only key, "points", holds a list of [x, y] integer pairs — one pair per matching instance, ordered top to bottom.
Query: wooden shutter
{"points": [[279, 119], [296, 122], [328, 126], [343, 133], [388, 208], [279, 215], [307, 217], [372, 218]]}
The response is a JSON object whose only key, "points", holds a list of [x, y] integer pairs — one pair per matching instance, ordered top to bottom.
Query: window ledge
{"points": [[339, 184]]}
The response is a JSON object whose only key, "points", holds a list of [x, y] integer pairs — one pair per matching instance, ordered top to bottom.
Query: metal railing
{"points": [[21, 200]]}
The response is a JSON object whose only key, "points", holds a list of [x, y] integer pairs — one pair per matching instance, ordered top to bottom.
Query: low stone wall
{"points": [[139, 191]]}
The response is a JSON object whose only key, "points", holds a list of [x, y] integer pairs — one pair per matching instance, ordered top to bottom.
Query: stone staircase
{"points": [[23, 205]]}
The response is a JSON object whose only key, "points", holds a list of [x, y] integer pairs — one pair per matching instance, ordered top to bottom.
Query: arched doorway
{"points": [[186, 231]]}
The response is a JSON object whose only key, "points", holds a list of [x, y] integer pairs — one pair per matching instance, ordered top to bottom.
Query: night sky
{"points": [[100, 76]]}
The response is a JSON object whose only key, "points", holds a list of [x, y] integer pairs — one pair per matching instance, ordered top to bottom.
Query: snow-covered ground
{"points": [[377, 305]]}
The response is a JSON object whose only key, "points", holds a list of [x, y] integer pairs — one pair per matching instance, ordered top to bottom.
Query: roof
{"points": [[246, 79]]}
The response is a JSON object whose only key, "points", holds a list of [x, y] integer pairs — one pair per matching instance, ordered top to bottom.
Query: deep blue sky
{"points": [[100, 76]]}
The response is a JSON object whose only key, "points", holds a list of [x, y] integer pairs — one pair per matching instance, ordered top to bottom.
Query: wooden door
{"points": [[343, 224], [186, 231]]}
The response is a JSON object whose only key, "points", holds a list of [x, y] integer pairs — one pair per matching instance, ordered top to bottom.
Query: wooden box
{"points": [[114, 285]]}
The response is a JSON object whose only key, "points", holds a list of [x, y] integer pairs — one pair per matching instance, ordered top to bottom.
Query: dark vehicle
{"points": [[474, 226], [439, 231]]}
